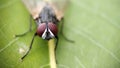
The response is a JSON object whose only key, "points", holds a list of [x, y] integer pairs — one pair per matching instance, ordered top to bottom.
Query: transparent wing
{"points": [[35, 6], [60, 6]]}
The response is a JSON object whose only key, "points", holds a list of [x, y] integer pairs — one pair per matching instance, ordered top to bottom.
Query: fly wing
{"points": [[35, 6], [59, 6]]}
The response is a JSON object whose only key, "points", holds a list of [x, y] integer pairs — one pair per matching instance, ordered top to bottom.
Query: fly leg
{"points": [[30, 28], [61, 31], [57, 40], [29, 46]]}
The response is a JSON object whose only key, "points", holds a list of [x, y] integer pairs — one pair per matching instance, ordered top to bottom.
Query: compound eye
{"points": [[41, 28], [53, 28], [47, 30]]}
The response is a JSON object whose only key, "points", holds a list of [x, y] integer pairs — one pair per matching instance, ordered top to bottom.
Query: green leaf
{"points": [[14, 19], [92, 24]]}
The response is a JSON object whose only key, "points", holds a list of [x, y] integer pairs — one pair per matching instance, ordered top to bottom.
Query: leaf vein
{"points": [[84, 34], [9, 44]]}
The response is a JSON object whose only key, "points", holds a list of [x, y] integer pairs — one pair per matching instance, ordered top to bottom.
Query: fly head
{"points": [[47, 30]]}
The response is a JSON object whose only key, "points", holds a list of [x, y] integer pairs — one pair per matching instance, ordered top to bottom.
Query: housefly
{"points": [[46, 17]]}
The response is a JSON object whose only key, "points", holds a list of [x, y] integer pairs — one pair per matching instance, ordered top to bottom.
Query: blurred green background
{"points": [[94, 25]]}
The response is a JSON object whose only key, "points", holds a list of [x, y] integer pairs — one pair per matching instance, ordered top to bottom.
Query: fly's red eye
{"points": [[41, 28], [53, 28]]}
